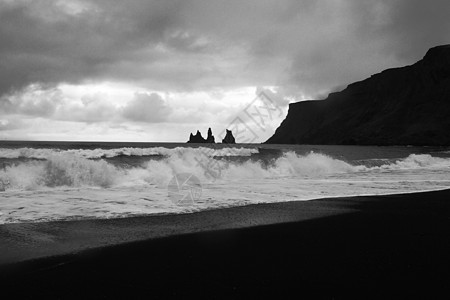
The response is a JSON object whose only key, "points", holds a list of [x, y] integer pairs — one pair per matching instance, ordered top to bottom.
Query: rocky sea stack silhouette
{"points": [[401, 106], [198, 138], [229, 138]]}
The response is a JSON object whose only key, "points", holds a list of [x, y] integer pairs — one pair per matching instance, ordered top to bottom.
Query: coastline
{"points": [[326, 247]]}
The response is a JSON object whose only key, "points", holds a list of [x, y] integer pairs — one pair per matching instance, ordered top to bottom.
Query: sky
{"points": [[143, 70]]}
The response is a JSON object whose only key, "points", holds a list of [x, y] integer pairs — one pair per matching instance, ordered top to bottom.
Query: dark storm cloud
{"points": [[416, 26], [370, 36], [44, 43], [307, 47], [34, 100]]}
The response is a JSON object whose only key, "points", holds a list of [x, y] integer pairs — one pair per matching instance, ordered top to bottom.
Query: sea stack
{"points": [[198, 138], [210, 138], [229, 138]]}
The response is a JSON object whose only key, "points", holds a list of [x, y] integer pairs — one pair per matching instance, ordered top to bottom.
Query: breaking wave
{"points": [[125, 151], [415, 161], [73, 169], [60, 170]]}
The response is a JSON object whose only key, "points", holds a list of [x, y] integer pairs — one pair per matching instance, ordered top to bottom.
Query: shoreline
{"points": [[163, 214], [332, 246]]}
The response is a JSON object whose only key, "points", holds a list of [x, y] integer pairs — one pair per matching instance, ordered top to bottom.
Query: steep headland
{"points": [[401, 106]]}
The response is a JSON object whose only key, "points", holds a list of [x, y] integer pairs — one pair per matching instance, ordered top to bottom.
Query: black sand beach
{"points": [[380, 247]]}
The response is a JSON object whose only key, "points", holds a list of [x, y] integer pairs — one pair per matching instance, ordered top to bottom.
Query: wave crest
{"points": [[45, 153], [415, 161], [289, 164], [65, 169], [60, 170]]}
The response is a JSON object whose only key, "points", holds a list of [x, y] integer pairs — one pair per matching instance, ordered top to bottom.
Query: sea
{"points": [[49, 181]]}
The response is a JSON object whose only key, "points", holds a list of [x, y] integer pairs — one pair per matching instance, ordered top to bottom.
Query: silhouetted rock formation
{"points": [[402, 106], [198, 138], [210, 138], [229, 138]]}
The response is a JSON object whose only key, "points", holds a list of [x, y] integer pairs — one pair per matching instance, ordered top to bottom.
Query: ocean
{"points": [[44, 181]]}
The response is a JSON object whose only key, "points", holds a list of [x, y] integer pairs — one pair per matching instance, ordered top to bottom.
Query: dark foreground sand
{"points": [[395, 247]]}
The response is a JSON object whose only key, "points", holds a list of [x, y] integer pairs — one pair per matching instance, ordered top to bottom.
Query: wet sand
{"points": [[395, 246]]}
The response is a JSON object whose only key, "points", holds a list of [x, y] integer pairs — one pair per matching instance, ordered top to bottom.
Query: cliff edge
{"points": [[401, 106]]}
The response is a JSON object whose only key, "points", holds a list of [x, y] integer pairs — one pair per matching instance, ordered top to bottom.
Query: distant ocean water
{"points": [[74, 180]]}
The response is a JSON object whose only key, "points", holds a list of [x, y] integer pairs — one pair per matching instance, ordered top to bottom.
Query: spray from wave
{"points": [[125, 151], [416, 161], [72, 169], [60, 170]]}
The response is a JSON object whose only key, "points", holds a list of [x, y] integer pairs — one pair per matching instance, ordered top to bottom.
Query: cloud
{"points": [[359, 38], [90, 44], [192, 45], [300, 49], [276, 96], [34, 100], [89, 104], [150, 108], [89, 112], [11, 124]]}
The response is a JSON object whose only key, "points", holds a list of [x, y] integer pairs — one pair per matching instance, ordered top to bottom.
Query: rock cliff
{"points": [[401, 106]]}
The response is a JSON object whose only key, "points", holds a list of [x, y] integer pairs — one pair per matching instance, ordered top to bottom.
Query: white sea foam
{"points": [[126, 151], [417, 161], [289, 164], [68, 169], [60, 170], [67, 185]]}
